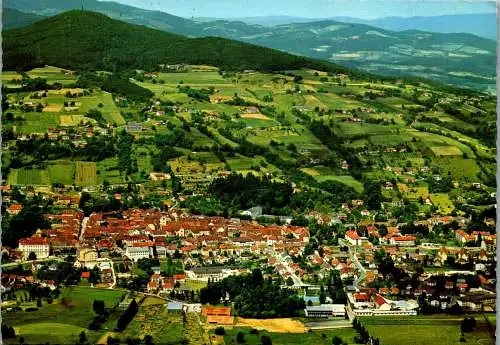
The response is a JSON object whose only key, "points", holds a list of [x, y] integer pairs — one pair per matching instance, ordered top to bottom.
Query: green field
{"points": [[110, 111], [37, 123], [62, 172], [29, 177], [443, 202], [154, 320], [62, 321], [423, 330], [313, 338]]}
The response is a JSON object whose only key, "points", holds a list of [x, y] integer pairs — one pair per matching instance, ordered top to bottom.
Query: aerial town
{"points": [[221, 193]]}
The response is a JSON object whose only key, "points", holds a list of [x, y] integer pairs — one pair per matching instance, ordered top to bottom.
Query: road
{"points": [[84, 226], [354, 259], [14, 264], [296, 280]]}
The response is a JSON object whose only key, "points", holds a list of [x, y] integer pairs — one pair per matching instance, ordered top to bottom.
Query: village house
{"points": [[353, 237]]}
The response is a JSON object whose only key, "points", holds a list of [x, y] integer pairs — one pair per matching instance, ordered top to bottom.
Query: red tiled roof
{"points": [[404, 238], [34, 241], [379, 300]]}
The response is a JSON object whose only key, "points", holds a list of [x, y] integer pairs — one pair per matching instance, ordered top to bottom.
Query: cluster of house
{"points": [[147, 233], [62, 236]]}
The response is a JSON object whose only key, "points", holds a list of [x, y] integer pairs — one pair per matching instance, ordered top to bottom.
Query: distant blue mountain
{"points": [[484, 25]]}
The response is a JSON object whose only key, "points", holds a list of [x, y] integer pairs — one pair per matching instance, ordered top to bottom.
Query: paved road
{"points": [[84, 226], [354, 259]]}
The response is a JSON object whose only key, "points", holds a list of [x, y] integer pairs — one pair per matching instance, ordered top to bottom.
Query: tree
{"points": [[32, 256], [322, 295], [39, 302], [98, 307], [468, 324], [8, 331], [220, 331], [83, 337], [240, 337], [148, 340], [266, 340], [336, 340]]}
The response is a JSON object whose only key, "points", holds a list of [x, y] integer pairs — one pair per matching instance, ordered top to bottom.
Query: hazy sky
{"points": [[367, 9]]}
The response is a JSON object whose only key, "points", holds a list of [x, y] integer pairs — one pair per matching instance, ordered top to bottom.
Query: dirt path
{"points": [[104, 339]]}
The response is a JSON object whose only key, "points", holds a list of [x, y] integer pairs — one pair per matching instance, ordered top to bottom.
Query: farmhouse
{"points": [[14, 209], [353, 237]]}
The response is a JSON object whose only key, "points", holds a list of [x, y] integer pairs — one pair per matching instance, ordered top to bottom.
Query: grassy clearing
{"points": [[109, 110], [37, 123], [458, 167], [62, 171], [108, 171], [86, 174], [442, 201], [65, 318], [424, 330], [60, 333], [312, 338]]}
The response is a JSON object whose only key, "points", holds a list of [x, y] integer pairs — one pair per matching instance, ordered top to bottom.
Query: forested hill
{"points": [[89, 40]]}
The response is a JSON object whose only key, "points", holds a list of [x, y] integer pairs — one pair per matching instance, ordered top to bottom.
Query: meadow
{"points": [[66, 317], [423, 330], [320, 337]]}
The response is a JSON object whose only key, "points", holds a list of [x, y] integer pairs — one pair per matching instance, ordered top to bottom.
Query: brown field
{"points": [[63, 91], [217, 99], [53, 108], [255, 116], [66, 120], [310, 171], [86, 174], [284, 325]]}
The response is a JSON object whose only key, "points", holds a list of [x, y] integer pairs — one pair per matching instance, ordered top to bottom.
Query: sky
{"points": [[366, 9]]}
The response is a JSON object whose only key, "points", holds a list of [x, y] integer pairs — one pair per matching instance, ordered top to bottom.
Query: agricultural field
{"points": [[53, 75], [109, 110], [62, 172], [86, 174], [29, 177], [443, 202], [153, 319], [424, 330]]}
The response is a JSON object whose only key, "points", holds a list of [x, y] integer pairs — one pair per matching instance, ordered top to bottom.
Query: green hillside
{"points": [[15, 19], [88, 40]]}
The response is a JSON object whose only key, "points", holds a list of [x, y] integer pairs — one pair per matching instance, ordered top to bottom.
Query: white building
{"points": [[403, 240], [38, 245], [136, 251]]}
